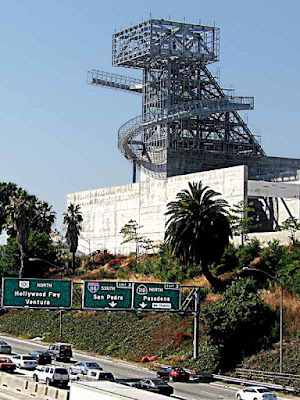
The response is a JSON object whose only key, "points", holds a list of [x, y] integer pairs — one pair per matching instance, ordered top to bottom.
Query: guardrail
{"points": [[274, 377], [288, 387]]}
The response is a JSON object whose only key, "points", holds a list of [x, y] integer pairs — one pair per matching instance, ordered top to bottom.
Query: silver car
{"points": [[82, 367]]}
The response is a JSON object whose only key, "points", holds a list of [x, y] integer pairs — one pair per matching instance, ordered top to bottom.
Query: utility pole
{"points": [[60, 324], [196, 324]]}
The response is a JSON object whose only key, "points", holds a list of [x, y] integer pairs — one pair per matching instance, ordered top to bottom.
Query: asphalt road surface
{"points": [[193, 390]]}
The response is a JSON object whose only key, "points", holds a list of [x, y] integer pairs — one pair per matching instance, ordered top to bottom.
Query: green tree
{"points": [[20, 214], [42, 214], [73, 220], [242, 220], [291, 224], [198, 229], [130, 232], [39, 246], [239, 323]]}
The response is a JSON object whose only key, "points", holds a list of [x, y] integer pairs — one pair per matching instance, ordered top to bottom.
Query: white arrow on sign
{"points": [[112, 304], [143, 305]]}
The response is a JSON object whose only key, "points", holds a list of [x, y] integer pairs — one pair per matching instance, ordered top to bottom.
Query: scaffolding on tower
{"points": [[183, 104]]}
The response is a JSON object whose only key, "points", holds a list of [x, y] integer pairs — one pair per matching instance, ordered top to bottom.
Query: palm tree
{"points": [[7, 190], [20, 214], [45, 217], [73, 221], [198, 229]]}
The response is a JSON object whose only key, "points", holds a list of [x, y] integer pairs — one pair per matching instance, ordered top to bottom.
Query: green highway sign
{"points": [[36, 293], [106, 295], [156, 296]]}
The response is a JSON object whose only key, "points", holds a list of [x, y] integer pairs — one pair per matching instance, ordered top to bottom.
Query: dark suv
{"points": [[61, 351]]}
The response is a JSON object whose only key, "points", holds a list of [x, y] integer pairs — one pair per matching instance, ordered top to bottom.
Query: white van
{"points": [[24, 361]]}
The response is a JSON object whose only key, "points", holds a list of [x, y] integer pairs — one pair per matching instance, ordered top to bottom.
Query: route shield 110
{"points": [[36, 293], [106, 295], [156, 296]]}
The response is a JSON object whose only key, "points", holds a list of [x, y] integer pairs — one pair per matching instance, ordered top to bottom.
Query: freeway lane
{"points": [[192, 391]]}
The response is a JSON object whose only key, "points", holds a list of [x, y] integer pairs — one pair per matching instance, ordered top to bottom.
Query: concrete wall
{"points": [[274, 202], [106, 211], [24, 387]]}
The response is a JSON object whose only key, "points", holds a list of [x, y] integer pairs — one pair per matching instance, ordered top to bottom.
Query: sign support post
{"points": [[60, 324]]}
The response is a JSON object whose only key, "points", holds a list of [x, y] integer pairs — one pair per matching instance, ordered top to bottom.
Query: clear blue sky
{"points": [[59, 135]]}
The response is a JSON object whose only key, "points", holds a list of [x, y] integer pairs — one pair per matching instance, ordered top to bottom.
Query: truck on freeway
{"points": [[105, 390]]}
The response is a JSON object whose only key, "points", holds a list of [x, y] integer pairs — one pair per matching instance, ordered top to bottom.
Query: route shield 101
{"points": [[36, 293], [106, 295], [156, 296]]}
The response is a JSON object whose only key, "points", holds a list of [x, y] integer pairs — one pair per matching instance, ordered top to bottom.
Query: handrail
{"points": [[200, 108], [274, 375]]}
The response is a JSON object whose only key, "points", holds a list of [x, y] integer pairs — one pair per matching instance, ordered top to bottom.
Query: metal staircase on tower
{"points": [[183, 105]]}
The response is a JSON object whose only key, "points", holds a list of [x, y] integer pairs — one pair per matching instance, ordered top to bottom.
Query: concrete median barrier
{"points": [[25, 385]]}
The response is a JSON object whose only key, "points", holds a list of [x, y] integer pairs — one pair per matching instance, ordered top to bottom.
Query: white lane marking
{"points": [[223, 388]]}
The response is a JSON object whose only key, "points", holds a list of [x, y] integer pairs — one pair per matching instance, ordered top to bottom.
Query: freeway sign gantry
{"points": [[36, 293], [126, 296]]}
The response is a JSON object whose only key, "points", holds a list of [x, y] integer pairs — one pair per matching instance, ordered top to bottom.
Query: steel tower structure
{"points": [[185, 112]]}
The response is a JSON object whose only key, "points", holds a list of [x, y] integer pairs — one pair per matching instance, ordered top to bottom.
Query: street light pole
{"points": [[281, 311]]}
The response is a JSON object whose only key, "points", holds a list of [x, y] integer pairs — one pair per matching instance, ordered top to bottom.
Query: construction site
{"points": [[189, 129]]}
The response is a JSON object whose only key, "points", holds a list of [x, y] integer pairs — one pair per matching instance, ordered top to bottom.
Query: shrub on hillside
{"points": [[248, 253], [102, 258], [229, 261], [114, 262], [283, 263], [239, 323]]}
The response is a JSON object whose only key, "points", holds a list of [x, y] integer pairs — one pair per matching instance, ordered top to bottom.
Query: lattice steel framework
{"points": [[183, 105]]}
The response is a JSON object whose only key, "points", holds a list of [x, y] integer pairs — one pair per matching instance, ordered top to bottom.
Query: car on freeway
{"points": [[5, 348], [61, 351], [42, 357], [24, 361], [6, 365], [82, 367], [173, 374], [52, 375], [99, 375], [133, 382], [156, 385], [255, 393]]}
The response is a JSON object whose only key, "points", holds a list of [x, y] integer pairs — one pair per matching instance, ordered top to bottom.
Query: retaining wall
{"points": [[106, 211]]}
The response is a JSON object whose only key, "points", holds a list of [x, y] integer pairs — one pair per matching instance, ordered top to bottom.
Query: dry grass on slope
{"points": [[291, 309]]}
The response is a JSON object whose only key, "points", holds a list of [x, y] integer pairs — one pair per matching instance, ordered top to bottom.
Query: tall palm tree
{"points": [[7, 190], [20, 214], [45, 217], [73, 221], [198, 229]]}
